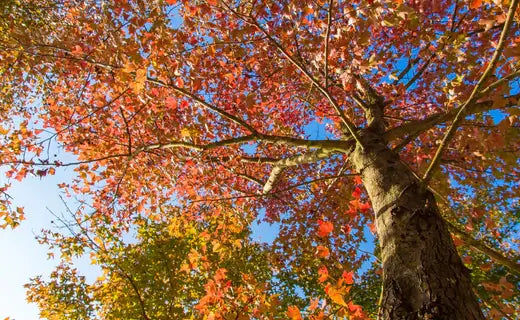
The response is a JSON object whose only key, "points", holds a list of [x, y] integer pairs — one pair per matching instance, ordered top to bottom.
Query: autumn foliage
{"points": [[188, 122]]}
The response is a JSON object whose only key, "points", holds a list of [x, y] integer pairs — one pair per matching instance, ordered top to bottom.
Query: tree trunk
{"points": [[423, 276]]}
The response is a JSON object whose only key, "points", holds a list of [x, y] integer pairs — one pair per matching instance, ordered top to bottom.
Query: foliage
{"points": [[190, 120], [180, 267]]}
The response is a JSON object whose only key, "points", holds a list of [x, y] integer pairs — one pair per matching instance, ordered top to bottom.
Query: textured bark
{"points": [[423, 276]]}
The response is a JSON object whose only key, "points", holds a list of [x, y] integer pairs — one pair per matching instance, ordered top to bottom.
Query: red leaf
{"points": [[171, 103], [357, 193], [364, 206], [325, 228], [348, 277], [356, 311]]}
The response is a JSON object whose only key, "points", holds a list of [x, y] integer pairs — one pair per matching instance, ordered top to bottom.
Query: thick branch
{"points": [[499, 82], [474, 94], [416, 127], [325, 145], [329, 145], [292, 161], [272, 194], [480, 246], [483, 248]]}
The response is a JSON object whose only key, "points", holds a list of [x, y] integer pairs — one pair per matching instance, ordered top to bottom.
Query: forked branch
{"points": [[280, 165]]}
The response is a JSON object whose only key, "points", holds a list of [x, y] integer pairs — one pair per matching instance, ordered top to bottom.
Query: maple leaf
{"points": [[475, 4], [77, 51], [139, 81], [179, 82], [171, 103], [357, 193], [324, 228], [458, 242], [322, 252], [323, 273], [220, 274], [348, 277], [335, 294], [313, 304], [356, 311], [293, 312]]}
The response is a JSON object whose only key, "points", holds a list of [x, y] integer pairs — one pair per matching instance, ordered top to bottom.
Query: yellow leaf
{"points": [[140, 78], [185, 132], [336, 295]]}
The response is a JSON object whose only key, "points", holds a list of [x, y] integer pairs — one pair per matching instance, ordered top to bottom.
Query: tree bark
{"points": [[423, 275]]}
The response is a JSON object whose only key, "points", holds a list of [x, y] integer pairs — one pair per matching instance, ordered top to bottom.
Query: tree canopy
{"points": [[340, 122]]}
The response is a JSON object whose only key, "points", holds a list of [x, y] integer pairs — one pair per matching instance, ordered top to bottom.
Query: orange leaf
{"points": [[475, 4], [140, 78], [179, 82], [325, 227], [458, 242], [322, 252], [485, 267], [220, 274], [324, 274], [313, 304], [356, 310], [294, 313]]}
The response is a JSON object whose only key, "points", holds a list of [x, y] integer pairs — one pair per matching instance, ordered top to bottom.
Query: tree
{"points": [[198, 103], [170, 271]]}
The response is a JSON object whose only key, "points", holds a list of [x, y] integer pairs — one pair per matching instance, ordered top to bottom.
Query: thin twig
{"points": [[327, 35], [474, 94], [348, 124]]}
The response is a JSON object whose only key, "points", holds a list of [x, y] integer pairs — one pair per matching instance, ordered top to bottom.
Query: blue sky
{"points": [[22, 256]]}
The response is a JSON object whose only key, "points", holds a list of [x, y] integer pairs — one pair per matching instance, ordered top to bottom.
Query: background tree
{"points": [[331, 118], [172, 268]]}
